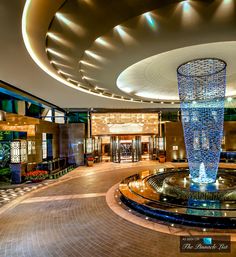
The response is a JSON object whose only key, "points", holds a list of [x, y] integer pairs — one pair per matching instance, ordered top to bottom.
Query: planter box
{"points": [[162, 159], [90, 163]]}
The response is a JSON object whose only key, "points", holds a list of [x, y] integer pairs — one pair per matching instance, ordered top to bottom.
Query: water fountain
{"points": [[202, 195]]}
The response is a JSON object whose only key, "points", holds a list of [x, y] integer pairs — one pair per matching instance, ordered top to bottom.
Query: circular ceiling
{"points": [[128, 50], [155, 77]]}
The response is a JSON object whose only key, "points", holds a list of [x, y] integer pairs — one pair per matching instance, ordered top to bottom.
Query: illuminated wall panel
{"points": [[124, 123]]}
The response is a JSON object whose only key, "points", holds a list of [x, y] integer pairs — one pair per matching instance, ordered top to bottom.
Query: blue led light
{"points": [[186, 6], [150, 20], [201, 85]]}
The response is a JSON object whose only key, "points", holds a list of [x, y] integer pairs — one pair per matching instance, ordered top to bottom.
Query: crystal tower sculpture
{"points": [[201, 85]]}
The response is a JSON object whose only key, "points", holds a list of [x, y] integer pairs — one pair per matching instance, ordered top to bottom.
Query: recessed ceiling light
{"points": [[186, 6], [150, 20], [120, 30], [53, 36], [101, 41], [51, 51], [92, 54], [88, 64], [63, 73], [72, 80]]}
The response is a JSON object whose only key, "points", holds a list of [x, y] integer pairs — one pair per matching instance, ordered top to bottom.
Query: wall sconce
{"points": [[175, 148]]}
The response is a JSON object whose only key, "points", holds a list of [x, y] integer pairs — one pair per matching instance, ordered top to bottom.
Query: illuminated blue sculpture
{"points": [[201, 85]]}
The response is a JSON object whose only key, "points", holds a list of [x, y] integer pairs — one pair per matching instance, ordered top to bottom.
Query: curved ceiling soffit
{"points": [[71, 69], [83, 75], [142, 78]]}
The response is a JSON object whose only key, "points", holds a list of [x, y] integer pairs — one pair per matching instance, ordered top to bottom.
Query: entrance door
{"points": [[115, 149], [136, 149], [126, 150]]}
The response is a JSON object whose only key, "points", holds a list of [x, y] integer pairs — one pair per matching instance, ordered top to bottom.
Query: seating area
{"points": [[53, 165]]}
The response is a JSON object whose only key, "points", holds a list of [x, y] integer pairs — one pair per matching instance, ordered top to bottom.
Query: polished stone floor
{"points": [[72, 218]]}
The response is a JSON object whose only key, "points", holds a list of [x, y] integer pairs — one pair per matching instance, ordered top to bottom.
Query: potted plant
{"points": [[162, 158], [90, 161], [36, 175]]}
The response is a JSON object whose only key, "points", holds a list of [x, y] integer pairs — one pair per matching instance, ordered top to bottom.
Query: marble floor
{"points": [[71, 218]]}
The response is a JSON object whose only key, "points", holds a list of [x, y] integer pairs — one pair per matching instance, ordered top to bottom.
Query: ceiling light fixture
{"points": [[186, 6], [62, 17], [150, 20], [75, 27], [120, 30], [53, 36], [101, 41], [51, 51], [33, 53], [92, 54], [60, 64], [88, 64], [63, 73], [72, 80]]}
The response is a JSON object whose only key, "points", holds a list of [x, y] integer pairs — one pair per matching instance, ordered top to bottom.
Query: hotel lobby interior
{"points": [[118, 128]]}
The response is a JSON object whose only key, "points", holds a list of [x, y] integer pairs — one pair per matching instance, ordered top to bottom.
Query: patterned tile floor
{"points": [[7, 195], [71, 218]]}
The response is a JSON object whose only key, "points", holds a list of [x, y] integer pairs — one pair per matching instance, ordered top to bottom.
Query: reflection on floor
{"points": [[71, 218]]}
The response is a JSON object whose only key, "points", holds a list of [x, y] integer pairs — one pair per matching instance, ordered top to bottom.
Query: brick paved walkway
{"points": [[71, 218]]}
